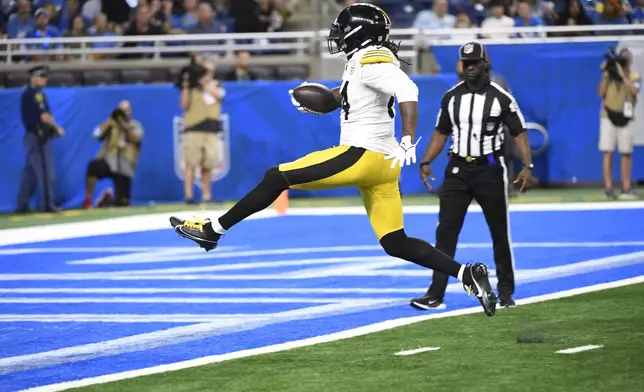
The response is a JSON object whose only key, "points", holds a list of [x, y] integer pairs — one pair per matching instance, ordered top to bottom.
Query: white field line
{"points": [[160, 221], [108, 249], [168, 256], [522, 276], [214, 290], [187, 300], [130, 318], [382, 326], [181, 334], [579, 349], [417, 351]]}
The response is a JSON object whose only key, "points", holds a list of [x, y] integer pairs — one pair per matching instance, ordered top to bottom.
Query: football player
{"points": [[368, 157]]}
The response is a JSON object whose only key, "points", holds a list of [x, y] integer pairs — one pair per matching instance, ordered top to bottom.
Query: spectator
{"points": [[91, 9], [68, 12], [611, 13], [163, 14], [573, 15], [636, 15], [269, 17], [437, 18], [525, 18], [497, 20], [463, 22], [21, 23], [182, 23], [206, 23], [141, 25], [77, 29], [100, 29], [43, 30], [241, 72]]}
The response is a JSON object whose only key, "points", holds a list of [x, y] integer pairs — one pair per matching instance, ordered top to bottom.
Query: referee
{"points": [[475, 112]]}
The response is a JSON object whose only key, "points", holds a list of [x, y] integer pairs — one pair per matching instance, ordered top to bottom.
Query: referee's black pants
{"points": [[484, 180]]}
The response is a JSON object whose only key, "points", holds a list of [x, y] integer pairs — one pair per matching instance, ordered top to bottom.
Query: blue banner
{"points": [[555, 88]]}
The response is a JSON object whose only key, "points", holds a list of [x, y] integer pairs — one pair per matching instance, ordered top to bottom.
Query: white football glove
{"points": [[294, 102], [404, 153]]}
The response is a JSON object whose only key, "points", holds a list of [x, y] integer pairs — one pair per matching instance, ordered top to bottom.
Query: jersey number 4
{"points": [[345, 103]]}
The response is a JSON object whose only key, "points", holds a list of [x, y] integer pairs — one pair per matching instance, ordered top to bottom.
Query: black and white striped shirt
{"points": [[475, 120]]}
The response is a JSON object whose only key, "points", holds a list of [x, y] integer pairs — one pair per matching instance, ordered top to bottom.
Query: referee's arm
{"points": [[513, 119], [442, 131]]}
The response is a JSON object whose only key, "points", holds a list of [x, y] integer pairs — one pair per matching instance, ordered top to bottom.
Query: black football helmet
{"points": [[358, 26]]}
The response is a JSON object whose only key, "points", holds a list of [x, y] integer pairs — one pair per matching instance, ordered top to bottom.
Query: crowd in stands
{"points": [[434, 14], [64, 18]]}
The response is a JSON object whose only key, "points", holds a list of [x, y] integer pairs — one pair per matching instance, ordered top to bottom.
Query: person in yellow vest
{"points": [[618, 89], [202, 125], [117, 158]]}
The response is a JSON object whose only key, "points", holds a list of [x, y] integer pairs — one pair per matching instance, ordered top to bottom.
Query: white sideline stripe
{"points": [[159, 221], [107, 249], [169, 256], [158, 257], [260, 264], [522, 275], [254, 290], [186, 300], [130, 318], [382, 326], [147, 341], [579, 349], [417, 351]]}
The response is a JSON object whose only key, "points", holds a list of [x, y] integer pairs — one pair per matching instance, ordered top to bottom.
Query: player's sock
{"points": [[265, 193], [217, 227], [420, 252]]}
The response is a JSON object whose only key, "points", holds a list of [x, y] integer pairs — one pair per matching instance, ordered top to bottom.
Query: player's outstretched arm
{"points": [[409, 117]]}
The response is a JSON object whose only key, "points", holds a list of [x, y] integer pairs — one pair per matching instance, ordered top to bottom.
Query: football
{"points": [[315, 98]]}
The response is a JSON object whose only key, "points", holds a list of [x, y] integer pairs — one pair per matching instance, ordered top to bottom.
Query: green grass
{"points": [[9, 221], [477, 354]]}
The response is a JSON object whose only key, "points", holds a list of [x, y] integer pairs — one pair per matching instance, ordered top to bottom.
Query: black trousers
{"points": [[486, 182], [122, 184]]}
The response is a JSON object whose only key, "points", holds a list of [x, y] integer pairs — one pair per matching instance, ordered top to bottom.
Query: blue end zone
{"points": [[191, 304]]}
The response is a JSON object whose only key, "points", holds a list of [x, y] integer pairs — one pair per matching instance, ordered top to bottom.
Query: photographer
{"points": [[618, 89], [201, 97], [121, 137]]}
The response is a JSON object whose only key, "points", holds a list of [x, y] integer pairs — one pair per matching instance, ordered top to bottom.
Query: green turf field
{"points": [[533, 196], [476, 354]]}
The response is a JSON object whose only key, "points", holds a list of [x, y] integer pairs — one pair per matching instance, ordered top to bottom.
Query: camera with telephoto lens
{"points": [[612, 59], [194, 72]]}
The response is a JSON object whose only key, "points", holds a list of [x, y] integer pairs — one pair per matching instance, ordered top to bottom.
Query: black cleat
{"points": [[198, 231], [481, 287], [506, 301], [426, 302]]}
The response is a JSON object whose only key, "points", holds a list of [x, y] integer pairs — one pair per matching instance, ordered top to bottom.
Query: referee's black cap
{"points": [[473, 51], [40, 70]]}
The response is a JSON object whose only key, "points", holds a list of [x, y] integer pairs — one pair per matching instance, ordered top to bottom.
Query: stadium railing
{"points": [[306, 48]]}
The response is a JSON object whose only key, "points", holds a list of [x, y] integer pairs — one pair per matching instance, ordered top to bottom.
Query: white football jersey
{"points": [[372, 78]]}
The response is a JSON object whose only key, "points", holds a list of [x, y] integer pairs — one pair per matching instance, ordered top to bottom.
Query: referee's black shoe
{"points": [[196, 230], [481, 287], [506, 301], [426, 302]]}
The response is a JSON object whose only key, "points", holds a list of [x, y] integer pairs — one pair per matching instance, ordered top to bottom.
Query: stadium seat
{"points": [[263, 72], [293, 72], [134, 76], [96, 78], [17, 79], [60, 79]]}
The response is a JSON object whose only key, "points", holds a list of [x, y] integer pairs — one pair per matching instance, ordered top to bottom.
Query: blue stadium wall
{"points": [[554, 84]]}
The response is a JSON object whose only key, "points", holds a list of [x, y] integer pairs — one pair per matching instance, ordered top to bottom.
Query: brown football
{"points": [[316, 98]]}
